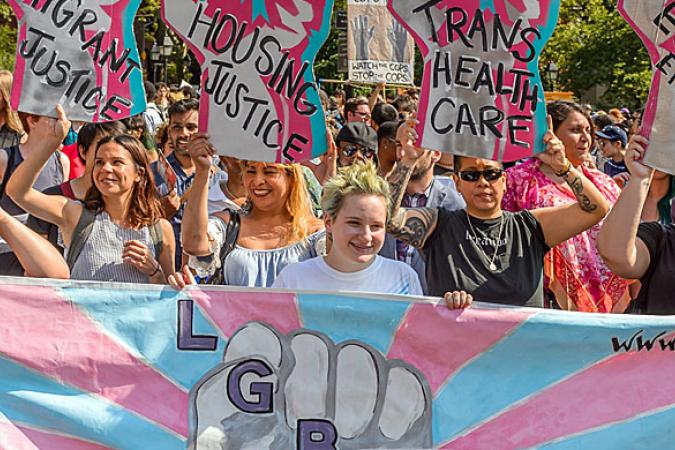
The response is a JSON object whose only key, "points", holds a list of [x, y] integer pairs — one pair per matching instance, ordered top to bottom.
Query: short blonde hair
{"points": [[360, 178]]}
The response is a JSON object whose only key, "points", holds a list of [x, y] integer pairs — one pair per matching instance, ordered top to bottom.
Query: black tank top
{"points": [[51, 174]]}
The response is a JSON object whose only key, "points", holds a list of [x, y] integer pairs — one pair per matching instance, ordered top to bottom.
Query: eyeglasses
{"points": [[363, 115], [350, 150], [474, 175]]}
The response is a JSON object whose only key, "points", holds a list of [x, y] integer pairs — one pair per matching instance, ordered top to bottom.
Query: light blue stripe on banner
{"points": [[258, 9], [136, 76], [146, 322], [373, 322], [544, 350], [38, 401], [655, 431]]}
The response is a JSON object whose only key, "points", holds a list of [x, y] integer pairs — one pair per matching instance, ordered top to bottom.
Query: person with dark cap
{"points": [[356, 141], [612, 141]]}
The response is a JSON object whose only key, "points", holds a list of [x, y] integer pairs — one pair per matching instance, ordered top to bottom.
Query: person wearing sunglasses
{"points": [[356, 141], [482, 251]]}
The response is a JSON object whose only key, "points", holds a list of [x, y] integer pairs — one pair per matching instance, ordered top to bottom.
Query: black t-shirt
{"points": [[455, 262], [656, 294]]}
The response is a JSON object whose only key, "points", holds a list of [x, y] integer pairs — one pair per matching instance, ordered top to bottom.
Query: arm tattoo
{"points": [[398, 181], [578, 188], [413, 225]]}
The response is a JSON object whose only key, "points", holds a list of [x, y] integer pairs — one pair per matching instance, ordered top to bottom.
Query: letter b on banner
{"points": [[316, 435]]}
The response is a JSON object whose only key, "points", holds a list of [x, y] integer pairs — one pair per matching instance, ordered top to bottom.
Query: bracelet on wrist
{"points": [[565, 170], [157, 269]]}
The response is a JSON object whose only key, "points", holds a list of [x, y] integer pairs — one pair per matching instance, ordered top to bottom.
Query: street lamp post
{"points": [[166, 48], [154, 57], [552, 72]]}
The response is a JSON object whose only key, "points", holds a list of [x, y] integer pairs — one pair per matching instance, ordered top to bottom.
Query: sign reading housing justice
{"points": [[481, 93], [260, 100], [100, 365]]}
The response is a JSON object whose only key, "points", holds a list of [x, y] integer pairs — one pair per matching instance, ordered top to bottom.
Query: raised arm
{"points": [[48, 134], [195, 222], [563, 222], [412, 225], [624, 253], [37, 256]]}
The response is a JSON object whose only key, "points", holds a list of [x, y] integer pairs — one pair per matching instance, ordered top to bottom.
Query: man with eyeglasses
{"points": [[357, 110], [482, 251]]}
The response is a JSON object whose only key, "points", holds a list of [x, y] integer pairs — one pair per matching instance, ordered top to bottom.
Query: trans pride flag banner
{"points": [[94, 366]]}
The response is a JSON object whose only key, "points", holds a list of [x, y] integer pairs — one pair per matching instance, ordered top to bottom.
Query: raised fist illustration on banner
{"points": [[362, 35], [399, 41], [260, 100], [303, 391]]}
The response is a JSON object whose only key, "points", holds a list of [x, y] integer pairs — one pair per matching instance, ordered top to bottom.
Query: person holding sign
{"points": [[356, 207], [277, 226], [118, 233], [636, 250], [494, 255], [574, 270]]}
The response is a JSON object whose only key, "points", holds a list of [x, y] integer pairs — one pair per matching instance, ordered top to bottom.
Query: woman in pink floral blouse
{"points": [[574, 270]]}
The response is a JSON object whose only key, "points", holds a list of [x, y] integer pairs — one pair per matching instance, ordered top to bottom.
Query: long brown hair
{"points": [[12, 121], [145, 208]]}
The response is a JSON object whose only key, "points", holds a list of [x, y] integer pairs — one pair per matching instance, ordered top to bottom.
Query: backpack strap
{"points": [[156, 234], [80, 235], [231, 237]]}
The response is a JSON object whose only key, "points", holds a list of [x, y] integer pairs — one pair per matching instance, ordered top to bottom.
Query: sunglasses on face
{"points": [[350, 150], [474, 175]]}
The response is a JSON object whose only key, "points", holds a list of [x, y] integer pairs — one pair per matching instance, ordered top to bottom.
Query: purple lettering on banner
{"points": [[187, 340], [264, 391], [308, 428]]}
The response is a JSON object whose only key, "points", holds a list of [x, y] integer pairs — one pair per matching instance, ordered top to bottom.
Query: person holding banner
{"points": [[356, 206], [276, 227], [118, 234], [635, 250], [494, 255], [574, 270]]}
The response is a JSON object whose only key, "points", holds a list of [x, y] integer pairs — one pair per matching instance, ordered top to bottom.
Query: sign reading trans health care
{"points": [[120, 366]]}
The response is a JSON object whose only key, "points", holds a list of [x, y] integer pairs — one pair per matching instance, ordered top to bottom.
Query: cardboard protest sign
{"points": [[654, 22], [378, 47], [81, 54], [482, 94], [259, 97], [127, 366]]}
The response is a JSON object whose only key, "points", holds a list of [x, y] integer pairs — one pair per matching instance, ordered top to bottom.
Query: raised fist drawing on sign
{"points": [[654, 22], [81, 54], [482, 94], [259, 98], [303, 391]]}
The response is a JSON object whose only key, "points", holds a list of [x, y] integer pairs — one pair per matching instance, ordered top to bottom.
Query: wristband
{"points": [[565, 171], [155, 272]]}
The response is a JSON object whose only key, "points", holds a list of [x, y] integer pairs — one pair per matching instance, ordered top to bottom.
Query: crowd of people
{"points": [[582, 226]]}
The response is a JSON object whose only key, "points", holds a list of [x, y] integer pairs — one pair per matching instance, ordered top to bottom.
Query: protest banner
{"points": [[654, 22], [379, 48], [81, 54], [482, 93], [259, 97], [96, 365]]}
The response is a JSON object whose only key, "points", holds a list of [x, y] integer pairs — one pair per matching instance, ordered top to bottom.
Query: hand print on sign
{"points": [[260, 98], [303, 391]]}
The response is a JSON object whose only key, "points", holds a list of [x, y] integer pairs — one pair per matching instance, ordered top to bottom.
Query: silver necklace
{"points": [[492, 265]]}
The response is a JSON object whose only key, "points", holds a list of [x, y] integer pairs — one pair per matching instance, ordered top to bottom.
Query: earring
{"points": [[246, 207]]}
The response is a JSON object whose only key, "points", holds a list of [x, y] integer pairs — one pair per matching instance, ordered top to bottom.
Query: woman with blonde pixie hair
{"points": [[10, 125], [356, 207]]}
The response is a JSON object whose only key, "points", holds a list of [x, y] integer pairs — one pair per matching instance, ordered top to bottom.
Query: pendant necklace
{"points": [[492, 266]]}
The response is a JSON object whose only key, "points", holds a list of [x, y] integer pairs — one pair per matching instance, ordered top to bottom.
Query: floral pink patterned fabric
{"points": [[574, 270]]}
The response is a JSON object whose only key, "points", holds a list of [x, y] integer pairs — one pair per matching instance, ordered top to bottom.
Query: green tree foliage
{"points": [[7, 36], [593, 46]]}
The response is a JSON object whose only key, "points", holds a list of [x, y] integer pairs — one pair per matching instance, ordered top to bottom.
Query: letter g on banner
{"points": [[303, 391]]}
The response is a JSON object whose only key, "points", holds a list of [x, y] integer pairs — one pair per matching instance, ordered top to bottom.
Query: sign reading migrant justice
{"points": [[654, 22], [379, 48], [81, 54], [481, 92], [260, 100], [142, 367]]}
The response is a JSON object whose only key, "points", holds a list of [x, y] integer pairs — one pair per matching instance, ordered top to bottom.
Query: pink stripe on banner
{"points": [[231, 310], [43, 332], [439, 341], [612, 390], [11, 437], [32, 439]]}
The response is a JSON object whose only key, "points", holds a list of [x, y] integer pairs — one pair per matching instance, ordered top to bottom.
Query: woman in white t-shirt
{"points": [[356, 207]]}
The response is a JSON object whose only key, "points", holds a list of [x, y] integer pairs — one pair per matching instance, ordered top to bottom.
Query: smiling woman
{"points": [[118, 234]]}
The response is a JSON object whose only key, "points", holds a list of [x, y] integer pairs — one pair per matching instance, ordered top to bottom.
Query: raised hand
{"points": [[362, 36], [399, 41], [49, 132], [406, 137], [201, 151], [635, 152], [554, 154], [179, 280], [274, 391]]}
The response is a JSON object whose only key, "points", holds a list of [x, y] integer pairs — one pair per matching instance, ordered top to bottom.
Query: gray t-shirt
{"points": [[454, 261]]}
